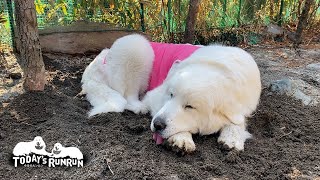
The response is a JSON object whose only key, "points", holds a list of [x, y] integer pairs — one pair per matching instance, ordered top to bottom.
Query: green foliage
{"points": [[164, 20], [5, 35], [253, 38]]}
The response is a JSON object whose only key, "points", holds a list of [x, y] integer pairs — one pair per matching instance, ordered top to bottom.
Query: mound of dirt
{"points": [[285, 143]]}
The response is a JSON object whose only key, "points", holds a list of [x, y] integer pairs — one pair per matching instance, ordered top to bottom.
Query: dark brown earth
{"points": [[285, 144]]}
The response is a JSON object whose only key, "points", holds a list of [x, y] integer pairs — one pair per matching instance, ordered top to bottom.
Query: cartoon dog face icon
{"points": [[39, 143], [56, 149]]}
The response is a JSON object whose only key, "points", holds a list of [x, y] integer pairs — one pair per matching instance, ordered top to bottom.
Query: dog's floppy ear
{"points": [[176, 62], [174, 66]]}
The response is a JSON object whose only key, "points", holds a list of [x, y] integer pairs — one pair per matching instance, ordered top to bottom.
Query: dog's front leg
{"points": [[234, 136], [183, 141]]}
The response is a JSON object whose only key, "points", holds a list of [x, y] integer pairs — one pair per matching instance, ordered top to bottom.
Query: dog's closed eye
{"points": [[188, 106]]}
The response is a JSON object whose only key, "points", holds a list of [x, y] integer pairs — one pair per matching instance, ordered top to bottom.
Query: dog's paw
{"points": [[137, 107], [144, 109], [93, 112], [233, 137], [183, 141], [229, 143]]}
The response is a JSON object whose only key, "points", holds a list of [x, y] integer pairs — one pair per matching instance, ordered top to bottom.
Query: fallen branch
{"points": [[108, 161]]}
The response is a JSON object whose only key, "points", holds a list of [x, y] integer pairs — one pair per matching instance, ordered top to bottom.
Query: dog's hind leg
{"points": [[103, 98], [115, 103]]}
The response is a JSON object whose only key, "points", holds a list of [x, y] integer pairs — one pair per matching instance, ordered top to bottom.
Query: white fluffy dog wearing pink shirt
{"points": [[211, 89]]}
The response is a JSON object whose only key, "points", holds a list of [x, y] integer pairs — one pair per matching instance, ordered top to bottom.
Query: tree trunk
{"points": [[302, 21], [143, 28], [189, 35], [29, 46]]}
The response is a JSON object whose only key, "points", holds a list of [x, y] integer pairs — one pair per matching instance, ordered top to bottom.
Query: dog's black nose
{"points": [[159, 124], [38, 143]]}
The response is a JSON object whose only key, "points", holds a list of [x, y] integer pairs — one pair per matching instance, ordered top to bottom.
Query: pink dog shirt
{"points": [[165, 55]]}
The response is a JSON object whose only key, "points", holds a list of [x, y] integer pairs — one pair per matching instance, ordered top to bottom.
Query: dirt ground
{"points": [[285, 143]]}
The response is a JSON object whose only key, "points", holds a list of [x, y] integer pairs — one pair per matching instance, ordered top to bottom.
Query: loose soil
{"points": [[285, 143]]}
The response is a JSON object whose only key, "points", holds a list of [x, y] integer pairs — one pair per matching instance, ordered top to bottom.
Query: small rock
{"points": [[275, 30], [284, 55], [315, 67], [282, 86], [291, 88], [306, 100], [5, 104], [174, 177]]}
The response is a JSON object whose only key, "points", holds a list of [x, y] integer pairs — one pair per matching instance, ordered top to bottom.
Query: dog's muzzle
{"points": [[159, 125], [38, 147]]}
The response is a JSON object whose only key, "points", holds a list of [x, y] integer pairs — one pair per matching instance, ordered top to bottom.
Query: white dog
{"points": [[116, 77], [213, 89], [36, 146], [59, 151]]}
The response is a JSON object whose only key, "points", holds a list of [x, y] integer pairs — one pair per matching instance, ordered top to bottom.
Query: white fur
{"points": [[221, 83], [113, 89], [234, 136], [183, 140], [25, 148], [72, 152]]}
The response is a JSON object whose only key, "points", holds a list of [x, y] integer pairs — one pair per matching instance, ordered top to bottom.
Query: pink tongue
{"points": [[157, 138]]}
